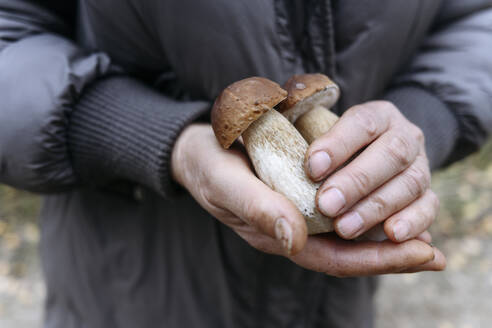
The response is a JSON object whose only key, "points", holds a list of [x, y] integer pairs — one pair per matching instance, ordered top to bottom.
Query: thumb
{"points": [[266, 210]]}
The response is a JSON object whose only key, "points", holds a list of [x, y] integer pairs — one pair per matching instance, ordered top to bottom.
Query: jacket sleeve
{"points": [[447, 88], [66, 117]]}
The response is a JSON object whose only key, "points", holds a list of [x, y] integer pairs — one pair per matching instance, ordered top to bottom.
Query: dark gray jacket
{"points": [[89, 113]]}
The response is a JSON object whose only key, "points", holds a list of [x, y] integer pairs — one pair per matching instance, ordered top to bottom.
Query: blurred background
{"points": [[460, 297]]}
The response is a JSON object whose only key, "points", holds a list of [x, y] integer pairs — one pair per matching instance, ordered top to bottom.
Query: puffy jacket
{"points": [[93, 95]]}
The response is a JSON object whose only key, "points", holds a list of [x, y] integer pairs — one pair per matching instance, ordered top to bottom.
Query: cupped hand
{"points": [[387, 179], [223, 183]]}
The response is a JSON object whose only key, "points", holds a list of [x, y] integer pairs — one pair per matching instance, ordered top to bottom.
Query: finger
{"points": [[355, 129], [383, 159], [223, 182], [243, 194], [388, 199], [414, 219], [376, 233], [425, 236], [342, 258], [438, 263]]}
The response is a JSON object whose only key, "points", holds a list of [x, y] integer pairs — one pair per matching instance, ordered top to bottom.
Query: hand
{"points": [[387, 181], [223, 183]]}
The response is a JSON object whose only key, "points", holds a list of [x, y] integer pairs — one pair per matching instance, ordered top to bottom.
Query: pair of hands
{"points": [[387, 181]]}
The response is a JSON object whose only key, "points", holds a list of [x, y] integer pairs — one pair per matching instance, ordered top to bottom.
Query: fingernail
{"points": [[319, 163], [331, 202], [350, 224], [401, 230], [283, 233]]}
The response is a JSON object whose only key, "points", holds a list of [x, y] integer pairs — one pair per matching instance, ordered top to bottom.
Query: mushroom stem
{"points": [[315, 123], [277, 152]]}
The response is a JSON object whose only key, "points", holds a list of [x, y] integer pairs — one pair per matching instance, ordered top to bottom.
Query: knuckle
{"points": [[388, 106], [354, 109], [367, 122], [418, 134], [341, 145], [399, 150], [423, 165], [361, 180], [205, 181], [415, 181], [208, 182], [209, 193], [207, 196], [435, 200], [380, 205], [253, 212], [427, 212], [412, 226], [383, 264], [338, 265], [338, 268]]}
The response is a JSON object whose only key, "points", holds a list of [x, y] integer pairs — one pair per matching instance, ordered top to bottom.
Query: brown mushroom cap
{"points": [[314, 89], [242, 103]]}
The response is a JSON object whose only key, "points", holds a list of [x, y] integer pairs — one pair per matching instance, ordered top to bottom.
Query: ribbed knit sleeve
{"points": [[452, 75], [122, 129]]}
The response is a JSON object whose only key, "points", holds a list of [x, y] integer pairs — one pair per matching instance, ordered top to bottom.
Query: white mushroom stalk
{"points": [[310, 96], [274, 146]]}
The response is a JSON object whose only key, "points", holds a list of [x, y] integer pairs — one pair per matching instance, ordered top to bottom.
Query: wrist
{"points": [[180, 157]]}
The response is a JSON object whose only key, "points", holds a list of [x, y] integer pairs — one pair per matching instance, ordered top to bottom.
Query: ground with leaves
{"points": [[21, 287], [459, 297]]}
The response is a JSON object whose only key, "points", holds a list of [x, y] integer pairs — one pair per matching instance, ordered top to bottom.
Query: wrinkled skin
{"points": [[388, 181], [223, 183]]}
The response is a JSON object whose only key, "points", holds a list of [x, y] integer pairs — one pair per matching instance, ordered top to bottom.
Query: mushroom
{"points": [[310, 96], [307, 103], [274, 146]]}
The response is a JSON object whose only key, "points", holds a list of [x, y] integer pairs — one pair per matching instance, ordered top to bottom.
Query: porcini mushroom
{"points": [[310, 96], [274, 146]]}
